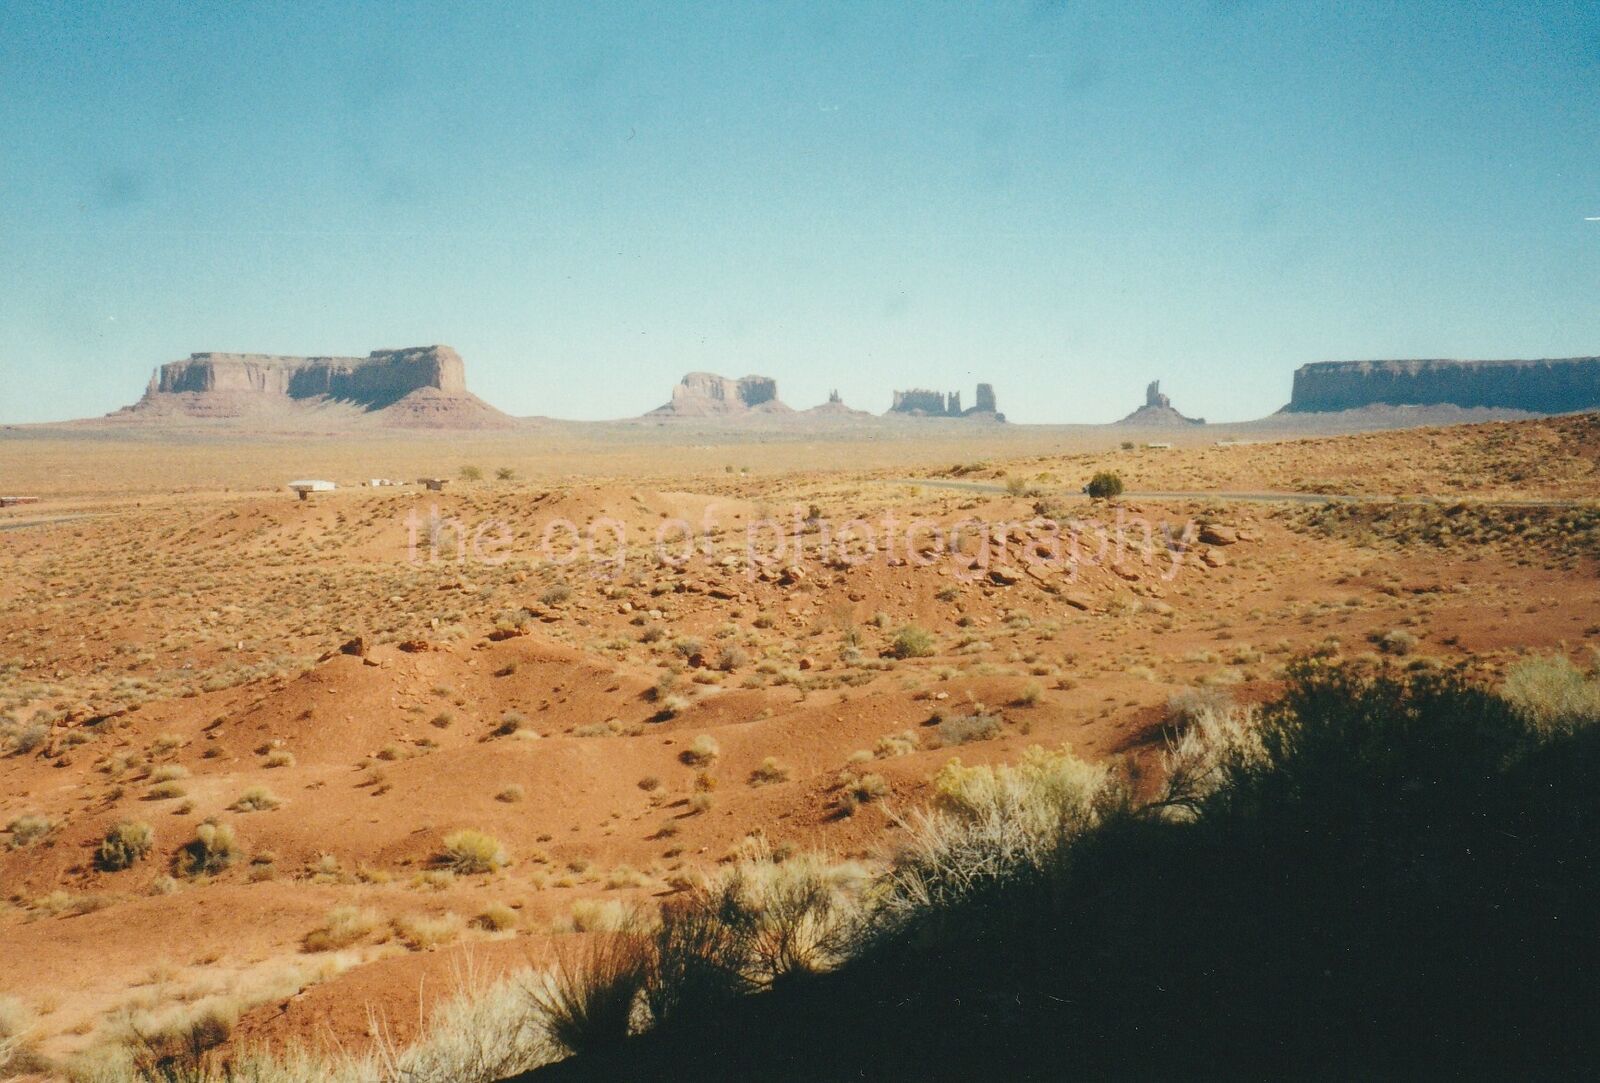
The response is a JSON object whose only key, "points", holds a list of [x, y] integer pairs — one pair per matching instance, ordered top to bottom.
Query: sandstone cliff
{"points": [[421, 386], [1547, 386], [705, 394]]}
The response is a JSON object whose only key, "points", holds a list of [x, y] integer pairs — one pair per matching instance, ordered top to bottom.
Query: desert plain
{"points": [[386, 744]]}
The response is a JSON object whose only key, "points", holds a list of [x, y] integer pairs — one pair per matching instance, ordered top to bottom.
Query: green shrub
{"points": [[1104, 485], [912, 642]]}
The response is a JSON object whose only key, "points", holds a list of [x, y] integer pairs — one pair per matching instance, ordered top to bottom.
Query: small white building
{"points": [[307, 487]]}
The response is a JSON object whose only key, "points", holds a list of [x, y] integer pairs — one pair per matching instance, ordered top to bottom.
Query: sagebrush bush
{"points": [[1104, 486], [912, 641], [1554, 695], [961, 728], [702, 750], [256, 799], [27, 830], [125, 844], [214, 847], [469, 852], [345, 925], [588, 998]]}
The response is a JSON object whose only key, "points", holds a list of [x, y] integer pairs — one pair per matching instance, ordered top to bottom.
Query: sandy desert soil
{"points": [[639, 651]]}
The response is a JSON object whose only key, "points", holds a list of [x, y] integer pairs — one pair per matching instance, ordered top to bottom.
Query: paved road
{"points": [[1262, 497]]}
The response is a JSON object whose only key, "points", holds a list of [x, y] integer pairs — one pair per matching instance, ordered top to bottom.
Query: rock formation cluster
{"points": [[1546, 386], [920, 402]]}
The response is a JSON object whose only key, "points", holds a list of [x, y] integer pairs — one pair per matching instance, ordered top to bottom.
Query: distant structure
{"points": [[835, 397], [920, 402], [1158, 412], [433, 485], [306, 488], [8, 501]]}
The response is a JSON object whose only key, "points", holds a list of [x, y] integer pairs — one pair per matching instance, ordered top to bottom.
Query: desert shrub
{"points": [[471, 473], [504, 473], [1016, 485], [1104, 485], [555, 594], [1398, 641], [912, 642], [731, 658], [1552, 694], [510, 723], [960, 728], [27, 738], [897, 744], [702, 750], [279, 757], [769, 771], [861, 790], [511, 794], [256, 799], [989, 824], [27, 830], [125, 844], [213, 848], [469, 852], [496, 917], [757, 923], [345, 925], [420, 932], [588, 998], [16, 1034]]}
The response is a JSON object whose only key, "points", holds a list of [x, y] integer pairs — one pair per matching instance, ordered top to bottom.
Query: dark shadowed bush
{"points": [[1389, 874]]}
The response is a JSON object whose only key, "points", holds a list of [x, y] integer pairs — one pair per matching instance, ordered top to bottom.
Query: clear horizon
{"points": [[1067, 201]]}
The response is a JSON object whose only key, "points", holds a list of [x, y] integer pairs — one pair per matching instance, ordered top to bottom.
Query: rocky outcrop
{"points": [[421, 386], [1546, 386], [705, 394], [920, 402], [835, 408], [1158, 411]]}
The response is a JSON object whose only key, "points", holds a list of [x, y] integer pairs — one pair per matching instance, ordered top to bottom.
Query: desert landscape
{"points": [[810, 543], [300, 775]]}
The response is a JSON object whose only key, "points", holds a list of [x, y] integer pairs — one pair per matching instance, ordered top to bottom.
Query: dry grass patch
{"points": [[469, 853]]}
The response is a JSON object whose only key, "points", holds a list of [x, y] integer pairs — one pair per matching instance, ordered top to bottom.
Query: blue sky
{"points": [[1067, 200]]}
